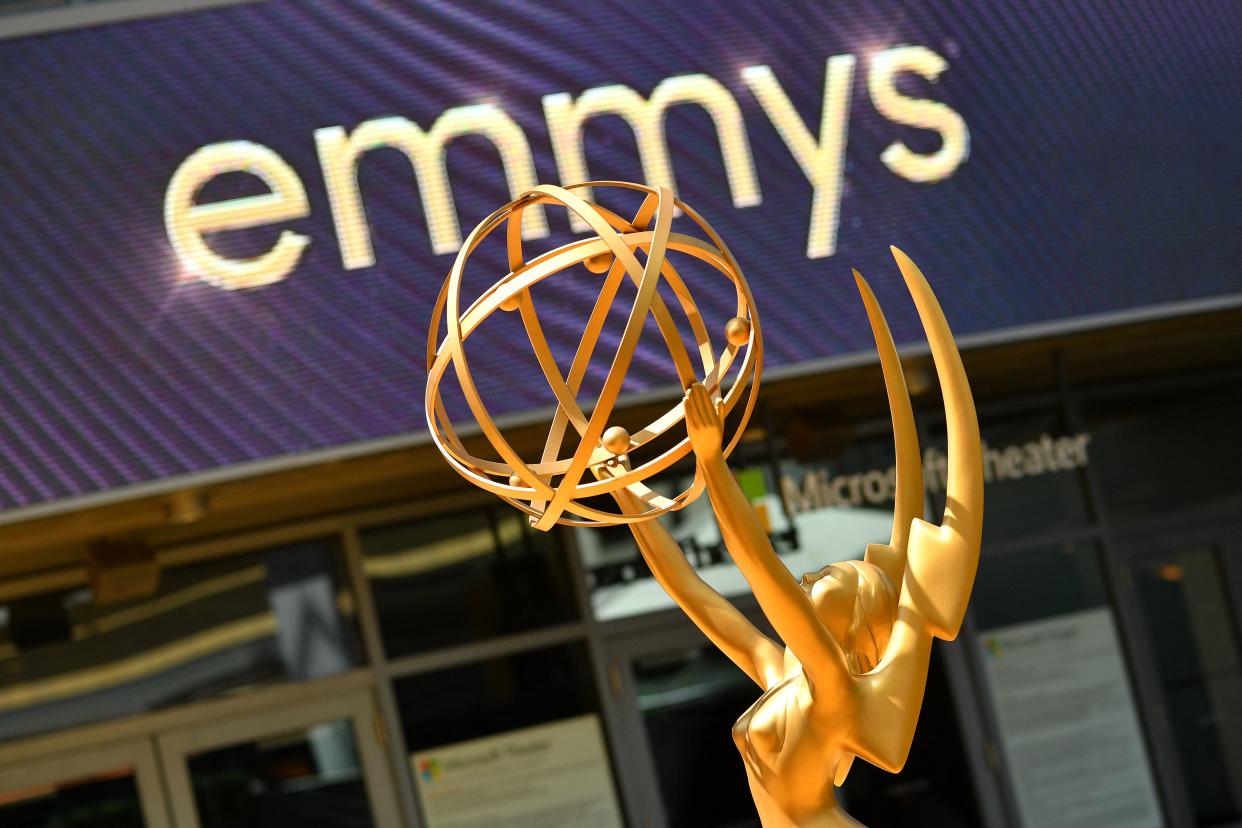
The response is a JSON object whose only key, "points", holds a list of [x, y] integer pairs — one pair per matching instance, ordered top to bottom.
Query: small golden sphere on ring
{"points": [[737, 331], [616, 439]]}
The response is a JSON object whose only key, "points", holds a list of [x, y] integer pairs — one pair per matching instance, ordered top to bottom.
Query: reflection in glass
{"points": [[1169, 454], [1033, 471], [464, 577], [618, 579], [1038, 583], [209, 628], [1196, 643], [1052, 661], [497, 695], [689, 701], [308, 777], [102, 800]]}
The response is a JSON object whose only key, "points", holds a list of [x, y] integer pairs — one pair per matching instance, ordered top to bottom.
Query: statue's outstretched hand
{"points": [[703, 424]]}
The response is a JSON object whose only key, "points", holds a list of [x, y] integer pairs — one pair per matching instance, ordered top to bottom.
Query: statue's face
{"points": [[833, 591], [855, 601]]}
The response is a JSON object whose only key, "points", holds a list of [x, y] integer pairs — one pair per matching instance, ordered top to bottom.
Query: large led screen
{"points": [[221, 232]]}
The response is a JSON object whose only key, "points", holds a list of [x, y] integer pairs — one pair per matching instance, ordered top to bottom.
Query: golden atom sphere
{"points": [[606, 458]]}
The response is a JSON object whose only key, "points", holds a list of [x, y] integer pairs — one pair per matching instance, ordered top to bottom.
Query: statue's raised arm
{"points": [[784, 602], [757, 655]]}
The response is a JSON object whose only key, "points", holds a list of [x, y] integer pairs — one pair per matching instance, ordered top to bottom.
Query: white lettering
{"points": [[916, 112], [566, 118], [339, 152], [820, 157], [823, 163], [186, 222], [876, 486]]}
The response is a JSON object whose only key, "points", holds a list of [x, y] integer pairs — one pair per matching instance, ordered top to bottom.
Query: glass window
{"points": [[1168, 454], [1033, 471], [838, 494], [465, 577], [1039, 583], [209, 629], [1192, 629], [1052, 662], [496, 695], [690, 700], [511, 740], [305, 777], [102, 800]]}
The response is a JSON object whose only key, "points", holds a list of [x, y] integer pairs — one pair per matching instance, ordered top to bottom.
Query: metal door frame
{"points": [[1223, 534], [1226, 536], [153, 742], [176, 746], [634, 748], [137, 753]]}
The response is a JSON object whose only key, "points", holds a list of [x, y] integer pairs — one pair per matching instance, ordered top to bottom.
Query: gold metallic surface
{"points": [[737, 331], [616, 439], [552, 489], [857, 635], [849, 679]]}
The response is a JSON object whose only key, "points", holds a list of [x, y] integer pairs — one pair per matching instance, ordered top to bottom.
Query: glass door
{"points": [[1191, 613], [1050, 655], [689, 697], [313, 763], [113, 786]]}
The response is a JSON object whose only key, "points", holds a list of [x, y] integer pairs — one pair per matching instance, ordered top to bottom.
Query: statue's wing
{"points": [[908, 492], [941, 561], [935, 564]]}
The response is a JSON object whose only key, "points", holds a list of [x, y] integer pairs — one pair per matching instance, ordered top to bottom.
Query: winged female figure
{"points": [[849, 679]]}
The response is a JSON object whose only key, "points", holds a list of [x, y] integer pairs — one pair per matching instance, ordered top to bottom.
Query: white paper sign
{"points": [[1068, 725], [549, 776]]}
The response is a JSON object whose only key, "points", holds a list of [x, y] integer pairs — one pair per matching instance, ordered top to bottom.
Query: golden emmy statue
{"points": [[857, 635]]}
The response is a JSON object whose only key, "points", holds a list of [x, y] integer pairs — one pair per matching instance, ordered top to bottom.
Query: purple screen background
{"points": [[1103, 176]]}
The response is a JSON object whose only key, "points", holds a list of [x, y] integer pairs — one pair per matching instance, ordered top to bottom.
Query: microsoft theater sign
{"points": [[819, 153], [818, 489]]}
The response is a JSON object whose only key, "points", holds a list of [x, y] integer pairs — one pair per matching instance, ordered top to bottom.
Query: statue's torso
{"points": [[791, 750]]}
